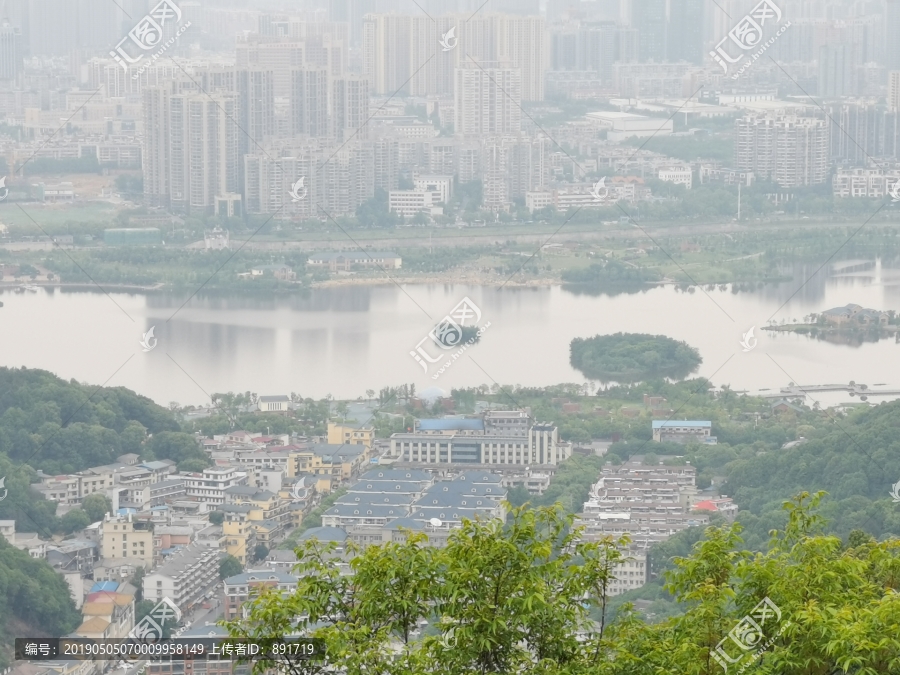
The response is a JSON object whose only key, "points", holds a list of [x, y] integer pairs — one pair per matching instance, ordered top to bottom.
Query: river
{"points": [[343, 341]]}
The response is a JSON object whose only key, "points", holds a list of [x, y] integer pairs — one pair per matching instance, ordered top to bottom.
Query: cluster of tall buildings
{"points": [[311, 113]]}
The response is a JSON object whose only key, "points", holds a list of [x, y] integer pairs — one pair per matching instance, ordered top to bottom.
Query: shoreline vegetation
{"points": [[600, 261]]}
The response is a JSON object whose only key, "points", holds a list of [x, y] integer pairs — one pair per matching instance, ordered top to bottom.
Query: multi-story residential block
{"points": [[487, 100], [792, 151], [680, 175], [871, 183], [408, 203], [682, 431], [351, 434], [209, 487], [650, 504], [238, 531], [126, 537], [184, 577], [239, 588], [108, 613]]}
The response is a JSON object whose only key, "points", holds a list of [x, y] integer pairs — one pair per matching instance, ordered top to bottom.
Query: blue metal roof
{"points": [[452, 424], [658, 424], [110, 586]]}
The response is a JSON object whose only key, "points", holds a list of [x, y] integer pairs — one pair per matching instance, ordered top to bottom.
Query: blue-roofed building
{"points": [[457, 424], [683, 431], [497, 438], [325, 534]]}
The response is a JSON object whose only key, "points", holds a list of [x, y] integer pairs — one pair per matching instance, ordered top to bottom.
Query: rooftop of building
{"points": [[452, 424], [663, 424], [414, 475], [373, 510], [337, 534], [182, 560], [261, 576]]}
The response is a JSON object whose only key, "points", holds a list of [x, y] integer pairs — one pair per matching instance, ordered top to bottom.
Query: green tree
{"points": [[174, 445], [96, 506], [216, 517], [76, 519], [260, 551], [229, 566], [138, 582]]}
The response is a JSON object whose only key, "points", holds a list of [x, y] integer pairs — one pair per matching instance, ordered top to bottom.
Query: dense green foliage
{"points": [[611, 276], [631, 357], [63, 427], [569, 486], [312, 519], [229, 566], [35, 596], [515, 598]]}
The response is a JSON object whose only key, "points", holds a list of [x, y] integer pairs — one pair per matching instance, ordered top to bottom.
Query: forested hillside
{"points": [[61, 427], [34, 597]]}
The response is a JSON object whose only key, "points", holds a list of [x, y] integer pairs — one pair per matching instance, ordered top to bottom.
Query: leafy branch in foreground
{"points": [[514, 597]]}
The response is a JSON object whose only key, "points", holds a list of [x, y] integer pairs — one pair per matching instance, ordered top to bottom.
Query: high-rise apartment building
{"points": [[649, 17], [684, 31], [891, 33], [404, 53], [11, 56], [837, 74], [893, 98], [487, 101], [309, 102], [256, 106], [350, 107], [859, 134], [792, 151], [190, 152]]}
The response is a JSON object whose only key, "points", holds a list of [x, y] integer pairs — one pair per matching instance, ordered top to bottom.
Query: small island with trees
{"points": [[851, 324], [633, 357]]}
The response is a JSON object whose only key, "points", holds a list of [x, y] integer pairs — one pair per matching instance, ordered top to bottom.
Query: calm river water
{"points": [[343, 341]]}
